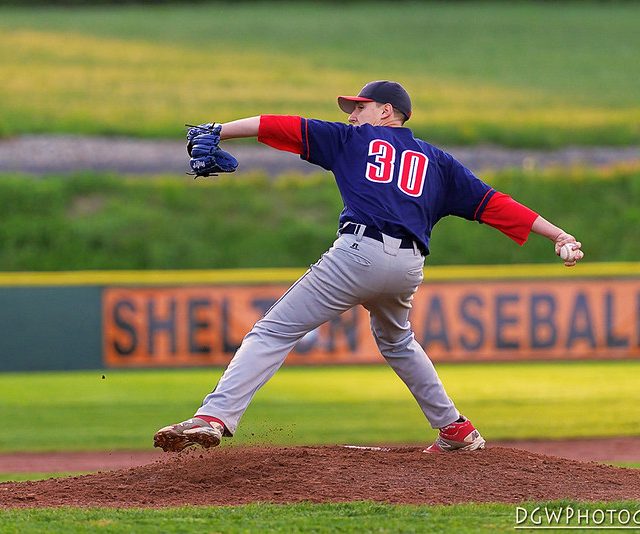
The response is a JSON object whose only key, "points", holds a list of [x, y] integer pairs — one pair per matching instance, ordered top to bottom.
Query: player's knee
{"points": [[273, 331], [389, 346]]}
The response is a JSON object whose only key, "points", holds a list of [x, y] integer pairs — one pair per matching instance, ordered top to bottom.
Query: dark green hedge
{"points": [[93, 221]]}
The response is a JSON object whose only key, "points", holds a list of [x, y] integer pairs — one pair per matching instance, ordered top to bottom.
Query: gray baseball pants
{"points": [[355, 270]]}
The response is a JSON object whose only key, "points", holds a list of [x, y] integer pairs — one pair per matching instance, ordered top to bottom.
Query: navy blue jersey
{"points": [[389, 179], [392, 181]]}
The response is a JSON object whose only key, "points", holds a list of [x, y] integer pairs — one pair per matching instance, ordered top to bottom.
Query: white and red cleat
{"points": [[194, 431], [461, 436]]}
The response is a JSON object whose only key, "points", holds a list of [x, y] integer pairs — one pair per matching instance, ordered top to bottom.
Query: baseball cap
{"points": [[381, 91]]}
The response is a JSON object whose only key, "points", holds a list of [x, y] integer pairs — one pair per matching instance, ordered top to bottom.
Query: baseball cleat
{"points": [[194, 431], [457, 437]]}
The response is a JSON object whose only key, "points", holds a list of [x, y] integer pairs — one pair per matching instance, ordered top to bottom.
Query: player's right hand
{"points": [[567, 239]]}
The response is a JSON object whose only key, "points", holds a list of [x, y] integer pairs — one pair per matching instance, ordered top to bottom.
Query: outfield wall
{"points": [[123, 319]]}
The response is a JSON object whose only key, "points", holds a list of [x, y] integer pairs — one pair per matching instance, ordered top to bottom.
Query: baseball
{"points": [[567, 253]]}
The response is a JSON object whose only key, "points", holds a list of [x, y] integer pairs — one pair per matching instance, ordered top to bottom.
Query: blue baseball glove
{"points": [[210, 128], [207, 158]]}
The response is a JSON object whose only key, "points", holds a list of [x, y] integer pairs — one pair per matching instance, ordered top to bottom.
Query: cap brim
{"points": [[348, 103]]}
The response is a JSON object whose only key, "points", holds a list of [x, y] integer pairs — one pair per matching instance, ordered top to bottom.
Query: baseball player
{"points": [[395, 188]]}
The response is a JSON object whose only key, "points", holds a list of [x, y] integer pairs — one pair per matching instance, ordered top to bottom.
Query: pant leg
{"points": [[339, 281], [395, 339]]}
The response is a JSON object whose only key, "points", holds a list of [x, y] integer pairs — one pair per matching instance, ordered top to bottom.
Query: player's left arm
{"points": [[248, 127], [278, 131], [283, 132], [314, 140], [203, 142], [318, 142]]}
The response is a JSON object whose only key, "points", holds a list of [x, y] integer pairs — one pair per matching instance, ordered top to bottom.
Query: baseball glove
{"points": [[210, 128], [207, 158], [208, 161]]}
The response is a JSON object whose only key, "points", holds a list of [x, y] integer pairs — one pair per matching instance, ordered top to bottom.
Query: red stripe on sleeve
{"points": [[282, 132], [306, 139], [475, 215], [510, 217]]}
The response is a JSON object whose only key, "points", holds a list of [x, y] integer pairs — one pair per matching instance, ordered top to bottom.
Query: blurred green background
{"points": [[514, 73], [519, 74]]}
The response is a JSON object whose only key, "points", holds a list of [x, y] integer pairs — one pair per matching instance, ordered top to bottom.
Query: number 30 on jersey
{"points": [[410, 176]]}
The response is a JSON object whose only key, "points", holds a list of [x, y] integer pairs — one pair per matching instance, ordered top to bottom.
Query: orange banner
{"points": [[460, 321]]}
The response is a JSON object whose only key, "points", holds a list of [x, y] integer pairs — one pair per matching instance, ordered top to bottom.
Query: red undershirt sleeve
{"points": [[283, 132], [510, 217]]}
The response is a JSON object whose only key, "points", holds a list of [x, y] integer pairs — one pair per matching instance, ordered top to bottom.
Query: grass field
{"points": [[521, 73], [354, 405], [361, 405], [329, 518]]}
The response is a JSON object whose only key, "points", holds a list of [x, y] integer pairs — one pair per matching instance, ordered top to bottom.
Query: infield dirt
{"points": [[233, 475]]}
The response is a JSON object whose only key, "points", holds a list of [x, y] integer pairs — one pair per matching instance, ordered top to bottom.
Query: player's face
{"points": [[366, 113]]}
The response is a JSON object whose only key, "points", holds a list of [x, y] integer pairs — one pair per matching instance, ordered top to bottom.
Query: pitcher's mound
{"points": [[239, 475]]}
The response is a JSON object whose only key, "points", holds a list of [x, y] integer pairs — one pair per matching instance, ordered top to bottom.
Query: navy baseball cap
{"points": [[381, 91]]}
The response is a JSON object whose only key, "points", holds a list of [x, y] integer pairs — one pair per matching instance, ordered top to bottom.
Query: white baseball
{"points": [[567, 252]]}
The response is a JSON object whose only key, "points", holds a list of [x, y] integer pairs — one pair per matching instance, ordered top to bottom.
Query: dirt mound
{"points": [[616, 449], [233, 475]]}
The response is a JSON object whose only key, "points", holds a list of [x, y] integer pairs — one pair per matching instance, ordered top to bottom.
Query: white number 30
{"points": [[413, 167]]}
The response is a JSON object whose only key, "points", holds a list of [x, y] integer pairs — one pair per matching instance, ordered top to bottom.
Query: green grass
{"points": [[521, 73], [97, 221], [351, 405], [363, 405], [632, 465], [348, 517]]}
